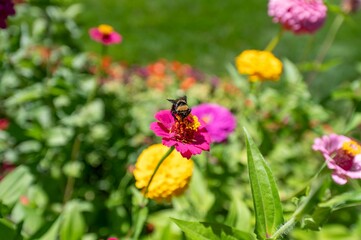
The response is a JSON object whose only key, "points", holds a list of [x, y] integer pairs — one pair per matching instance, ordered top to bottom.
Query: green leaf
{"points": [[291, 72], [14, 185], [344, 200], [267, 204], [239, 215], [141, 216], [73, 224], [7, 229], [211, 231], [52, 233]]}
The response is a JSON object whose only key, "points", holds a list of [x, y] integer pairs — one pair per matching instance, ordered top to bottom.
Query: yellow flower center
{"points": [[105, 29], [193, 124], [185, 128], [351, 148]]}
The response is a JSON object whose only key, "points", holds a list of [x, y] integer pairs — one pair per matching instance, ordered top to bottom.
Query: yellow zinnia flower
{"points": [[259, 65], [172, 177]]}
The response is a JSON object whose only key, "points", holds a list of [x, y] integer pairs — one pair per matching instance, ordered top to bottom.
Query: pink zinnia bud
{"points": [[298, 16]]}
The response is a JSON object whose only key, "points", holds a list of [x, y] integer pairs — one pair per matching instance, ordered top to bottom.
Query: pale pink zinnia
{"points": [[298, 16], [105, 34], [220, 122], [188, 135], [342, 155]]}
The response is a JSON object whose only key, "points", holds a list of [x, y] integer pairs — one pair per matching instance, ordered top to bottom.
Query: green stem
{"points": [[329, 39], [275, 40], [326, 45], [99, 74], [155, 171], [69, 188], [305, 206], [140, 215], [284, 229]]}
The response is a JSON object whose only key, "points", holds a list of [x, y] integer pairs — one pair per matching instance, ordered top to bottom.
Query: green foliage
{"points": [[78, 120], [267, 204], [212, 231]]}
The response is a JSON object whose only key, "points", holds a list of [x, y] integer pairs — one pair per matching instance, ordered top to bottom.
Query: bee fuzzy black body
{"points": [[180, 107]]}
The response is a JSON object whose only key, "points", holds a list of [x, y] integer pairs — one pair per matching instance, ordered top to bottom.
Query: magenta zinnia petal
{"points": [[298, 16], [220, 122], [189, 136], [342, 155]]}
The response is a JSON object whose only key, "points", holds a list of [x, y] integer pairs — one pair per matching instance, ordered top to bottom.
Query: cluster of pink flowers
{"points": [[6, 9], [298, 16], [193, 134], [342, 155]]}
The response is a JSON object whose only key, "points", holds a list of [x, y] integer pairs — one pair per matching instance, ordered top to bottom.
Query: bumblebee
{"points": [[180, 107]]}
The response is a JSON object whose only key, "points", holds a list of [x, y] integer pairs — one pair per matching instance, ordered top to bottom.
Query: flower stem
{"points": [[329, 39], [275, 40], [326, 45], [156, 169], [71, 180], [305, 206], [141, 212], [285, 228]]}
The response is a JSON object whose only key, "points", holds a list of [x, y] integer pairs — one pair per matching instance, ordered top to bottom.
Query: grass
{"points": [[209, 34]]}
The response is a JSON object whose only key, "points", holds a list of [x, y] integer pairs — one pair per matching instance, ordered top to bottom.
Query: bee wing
{"points": [[172, 101]]}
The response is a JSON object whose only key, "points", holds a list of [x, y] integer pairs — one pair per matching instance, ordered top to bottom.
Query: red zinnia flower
{"points": [[4, 123], [188, 135]]}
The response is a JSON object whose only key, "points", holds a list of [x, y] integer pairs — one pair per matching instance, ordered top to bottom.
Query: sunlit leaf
{"points": [[15, 184], [343, 200], [267, 204], [73, 224], [211, 231]]}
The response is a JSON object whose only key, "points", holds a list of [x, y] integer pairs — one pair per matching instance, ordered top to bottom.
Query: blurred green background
{"points": [[209, 34], [45, 89]]}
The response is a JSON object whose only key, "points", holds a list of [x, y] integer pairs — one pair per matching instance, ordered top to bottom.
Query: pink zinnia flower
{"points": [[6, 9], [299, 16], [105, 34], [220, 122], [188, 135], [342, 155], [112, 238]]}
